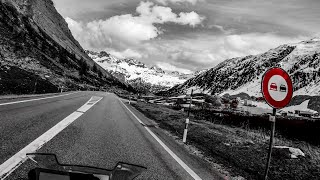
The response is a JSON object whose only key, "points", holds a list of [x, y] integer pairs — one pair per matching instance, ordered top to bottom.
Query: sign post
{"points": [[277, 90], [272, 119]]}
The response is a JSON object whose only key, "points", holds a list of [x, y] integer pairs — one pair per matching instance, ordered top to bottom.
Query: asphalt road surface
{"points": [[101, 132]]}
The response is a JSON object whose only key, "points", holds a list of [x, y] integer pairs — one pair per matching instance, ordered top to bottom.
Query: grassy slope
{"points": [[243, 150]]}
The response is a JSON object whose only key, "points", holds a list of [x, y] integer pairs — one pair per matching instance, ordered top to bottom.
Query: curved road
{"points": [[105, 133]]}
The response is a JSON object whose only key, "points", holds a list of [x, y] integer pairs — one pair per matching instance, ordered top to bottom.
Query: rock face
{"points": [[46, 17], [38, 53], [244, 74], [145, 79]]}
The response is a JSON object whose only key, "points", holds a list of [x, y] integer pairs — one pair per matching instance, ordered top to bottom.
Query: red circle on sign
{"points": [[265, 91]]}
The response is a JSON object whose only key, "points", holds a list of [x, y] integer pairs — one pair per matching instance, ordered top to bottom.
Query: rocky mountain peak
{"points": [[316, 39], [91, 52], [103, 54], [134, 62], [157, 69], [175, 73], [138, 74]]}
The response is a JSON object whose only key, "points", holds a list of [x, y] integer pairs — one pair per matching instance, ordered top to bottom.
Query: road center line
{"points": [[16, 102], [172, 154], [16, 160]]}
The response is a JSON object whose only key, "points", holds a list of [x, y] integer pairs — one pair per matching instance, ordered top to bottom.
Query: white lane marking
{"points": [[16, 102], [89, 104], [173, 155], [16, 160]]}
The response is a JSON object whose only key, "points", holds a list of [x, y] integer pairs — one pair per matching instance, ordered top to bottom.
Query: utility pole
{"points": [[185, 132]]}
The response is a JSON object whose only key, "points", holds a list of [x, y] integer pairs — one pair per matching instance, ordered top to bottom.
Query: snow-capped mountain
{"points": [[137, 73], [244, 74]]}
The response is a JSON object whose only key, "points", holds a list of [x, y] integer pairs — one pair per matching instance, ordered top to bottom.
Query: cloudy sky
{"points": [[189, 35]]}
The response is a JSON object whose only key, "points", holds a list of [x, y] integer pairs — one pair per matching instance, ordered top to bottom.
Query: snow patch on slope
{"points": [[252, 88], [301, 107]]}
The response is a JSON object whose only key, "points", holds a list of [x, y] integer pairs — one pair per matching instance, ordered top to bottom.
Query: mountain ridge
{"points": [[244, 74], [139, 75]]}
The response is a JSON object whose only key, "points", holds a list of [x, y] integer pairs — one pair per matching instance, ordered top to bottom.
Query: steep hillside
{"points": [[38, 53], [237, 75], [143, 78]]}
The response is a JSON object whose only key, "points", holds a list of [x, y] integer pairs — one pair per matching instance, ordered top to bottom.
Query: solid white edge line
{"points": [[29, 100], [173, 155], [16, 160]]}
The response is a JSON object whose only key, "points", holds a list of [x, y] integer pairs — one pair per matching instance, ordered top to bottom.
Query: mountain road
{"points": [[94, 129]]}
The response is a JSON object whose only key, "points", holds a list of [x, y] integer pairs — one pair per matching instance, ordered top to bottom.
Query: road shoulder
{"points": [[187, 153]]}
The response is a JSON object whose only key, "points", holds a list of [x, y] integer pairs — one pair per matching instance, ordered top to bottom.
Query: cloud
{"points": [[165, 2], [191, 18], [124, 31], [175, 32], [255, 43], [207, 51], [128, 53], [193, 58], [170, 67]]}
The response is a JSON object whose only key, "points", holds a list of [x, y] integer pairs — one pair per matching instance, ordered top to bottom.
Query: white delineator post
{"points": [[185, 132]]}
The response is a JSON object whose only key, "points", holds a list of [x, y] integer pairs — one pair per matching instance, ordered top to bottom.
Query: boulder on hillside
{"points": [[288, 152]]}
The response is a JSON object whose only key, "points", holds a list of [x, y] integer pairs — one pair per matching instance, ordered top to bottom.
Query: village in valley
{"points": [[238, 104]]}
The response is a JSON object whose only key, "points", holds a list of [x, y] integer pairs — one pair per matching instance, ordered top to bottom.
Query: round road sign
{"points": [[277, 87]]}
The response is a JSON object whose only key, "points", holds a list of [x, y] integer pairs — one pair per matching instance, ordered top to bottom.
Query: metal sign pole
{"points": [[277, 98], [273, 123], [185, 132]]}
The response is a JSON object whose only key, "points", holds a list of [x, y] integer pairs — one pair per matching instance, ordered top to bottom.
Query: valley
{"points": [[145, 79], [69, 85]]}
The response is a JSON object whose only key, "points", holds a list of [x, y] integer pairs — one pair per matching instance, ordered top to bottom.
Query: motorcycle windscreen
{"points": [[50, 161]]}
